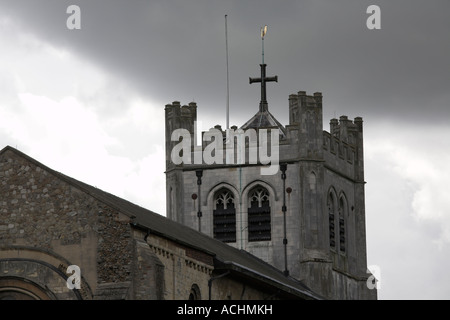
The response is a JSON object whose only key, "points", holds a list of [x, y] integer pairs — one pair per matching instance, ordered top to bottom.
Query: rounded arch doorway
{"points": [[21, 289]]}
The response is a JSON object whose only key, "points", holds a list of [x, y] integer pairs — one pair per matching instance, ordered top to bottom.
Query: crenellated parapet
{"points": [[178, 117], [305, 124], [343, 147], [324, 192]]}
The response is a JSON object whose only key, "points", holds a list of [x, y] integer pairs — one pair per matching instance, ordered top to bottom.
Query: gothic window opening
{"points": [[171, 200], [342, 211], [224, 216], [331, 216], [259, 221], [194, 294]]}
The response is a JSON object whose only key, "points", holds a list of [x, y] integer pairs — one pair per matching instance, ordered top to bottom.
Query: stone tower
{"points": [[306, 217]]}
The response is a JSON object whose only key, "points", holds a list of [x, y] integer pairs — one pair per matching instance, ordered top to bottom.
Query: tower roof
{"points": [[264, 119]]}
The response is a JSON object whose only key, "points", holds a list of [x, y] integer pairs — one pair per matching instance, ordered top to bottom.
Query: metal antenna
{"points": [[228, 85]]}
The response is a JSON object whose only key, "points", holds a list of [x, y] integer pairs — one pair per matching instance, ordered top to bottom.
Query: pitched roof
{"points": [[264, 119], [225, 256]]}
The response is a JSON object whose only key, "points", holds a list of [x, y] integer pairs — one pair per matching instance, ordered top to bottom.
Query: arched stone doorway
{"points": [[21, 289]]}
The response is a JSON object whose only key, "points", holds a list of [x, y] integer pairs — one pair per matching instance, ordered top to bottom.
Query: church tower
{"points": [[302, 212]]}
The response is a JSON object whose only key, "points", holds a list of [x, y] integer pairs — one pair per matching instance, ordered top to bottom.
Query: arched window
{"points": [[331, 204], [342, 214], [171, 216], [224, 216], [259, 221], [194, 294]]}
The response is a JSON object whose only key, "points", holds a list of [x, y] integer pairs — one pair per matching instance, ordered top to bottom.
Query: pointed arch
{"points": [[312, 181], [254, 183], [332, 192], [211, 193], [343, 199], [171, 204], [332, 206], [259, 214], [343, 214], [224, 215], [195, 293]]}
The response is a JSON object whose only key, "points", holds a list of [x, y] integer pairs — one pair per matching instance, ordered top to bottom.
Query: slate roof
{"points": [[264, 119], [226, 257]]}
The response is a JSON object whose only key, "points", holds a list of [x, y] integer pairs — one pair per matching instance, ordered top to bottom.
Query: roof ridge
{"points": [[264, 119], [82, 186], [169, 229]]}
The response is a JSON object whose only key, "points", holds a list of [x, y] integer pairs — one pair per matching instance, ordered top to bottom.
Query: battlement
{"points": [[300, 102], [181, 115], [345, 129], [343, 146], [224, 148], [339, 148]]}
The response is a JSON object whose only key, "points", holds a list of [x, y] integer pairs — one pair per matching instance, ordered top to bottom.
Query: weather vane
{"points": [[263, 33], [263, 106]]}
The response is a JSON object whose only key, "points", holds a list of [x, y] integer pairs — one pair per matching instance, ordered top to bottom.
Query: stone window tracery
{"points": [[337, 211], [342, 211], [224, 216], [331, 216], [259, 220]]}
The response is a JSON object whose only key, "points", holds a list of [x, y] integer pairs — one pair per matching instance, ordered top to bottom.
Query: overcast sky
{"points": [[90, 102]]}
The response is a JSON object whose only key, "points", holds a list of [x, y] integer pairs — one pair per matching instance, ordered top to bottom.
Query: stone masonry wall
{"points": [[41, 210], [183, 268]]}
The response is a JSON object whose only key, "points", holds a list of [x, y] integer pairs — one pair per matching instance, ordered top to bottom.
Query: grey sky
{"points": [[175, 50], [110, 81]]}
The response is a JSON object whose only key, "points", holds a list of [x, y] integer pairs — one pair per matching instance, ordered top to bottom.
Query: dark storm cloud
{"points": [[175, 50]]}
